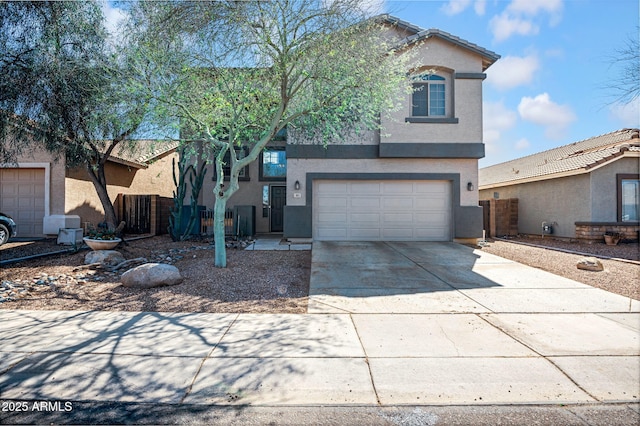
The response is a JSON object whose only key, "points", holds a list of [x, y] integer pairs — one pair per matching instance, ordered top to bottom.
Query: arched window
{"points": [[429, 96]]}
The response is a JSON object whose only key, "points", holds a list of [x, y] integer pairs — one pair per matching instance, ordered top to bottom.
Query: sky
{"points": [[552, 85], [549, 88]]}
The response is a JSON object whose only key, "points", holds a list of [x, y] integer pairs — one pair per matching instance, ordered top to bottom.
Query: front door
{"points": [[277, 202]]}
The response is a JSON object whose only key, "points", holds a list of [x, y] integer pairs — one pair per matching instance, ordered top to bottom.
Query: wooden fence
{"points": [[143, 214], [500, 217]]}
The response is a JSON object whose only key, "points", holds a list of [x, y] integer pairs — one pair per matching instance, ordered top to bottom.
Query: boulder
{"points": [[106, 257], [590, 264], [151, 275]]}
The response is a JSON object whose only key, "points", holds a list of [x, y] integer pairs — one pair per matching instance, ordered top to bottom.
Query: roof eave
{"points": [[488, 57], [127, 162], [583, 170]]}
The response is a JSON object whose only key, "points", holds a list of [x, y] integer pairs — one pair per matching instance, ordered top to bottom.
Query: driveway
{"points": [[436, 278], [456, 325]]}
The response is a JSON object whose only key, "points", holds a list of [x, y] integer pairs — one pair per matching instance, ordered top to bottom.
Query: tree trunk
{"points": [[100, 184], [218, 231]]}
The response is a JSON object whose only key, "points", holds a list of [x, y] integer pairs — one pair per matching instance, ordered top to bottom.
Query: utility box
{"points": [[244, 221], [70, 236]]}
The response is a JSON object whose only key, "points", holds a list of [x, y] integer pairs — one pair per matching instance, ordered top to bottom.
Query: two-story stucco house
{"points": [[417, 180]]}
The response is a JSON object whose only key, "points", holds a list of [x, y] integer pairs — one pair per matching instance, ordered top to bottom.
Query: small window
{"points": [[429, 96], [273, 164], [244, 173], [628, 198]]}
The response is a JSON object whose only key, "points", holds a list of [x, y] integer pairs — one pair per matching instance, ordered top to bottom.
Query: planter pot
{"points": [[611, 240], [101, 244]]}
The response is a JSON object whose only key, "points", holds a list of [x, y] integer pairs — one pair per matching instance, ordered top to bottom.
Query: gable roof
{"points": [[418, 34], [143, 152], [572, 159]]}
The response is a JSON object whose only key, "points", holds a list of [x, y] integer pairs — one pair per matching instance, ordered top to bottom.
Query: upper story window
{"points": [[429, 96], [432, 98], [273, 164], [244, 172]]}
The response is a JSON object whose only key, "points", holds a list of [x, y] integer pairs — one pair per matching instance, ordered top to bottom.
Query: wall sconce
{"points": [[297, 185], [470, 186]]}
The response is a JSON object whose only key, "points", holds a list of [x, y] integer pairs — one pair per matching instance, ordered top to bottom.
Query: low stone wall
{"points": [[594, 231]]}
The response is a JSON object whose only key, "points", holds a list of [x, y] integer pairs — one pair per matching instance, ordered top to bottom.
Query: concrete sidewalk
{"points": [[390, 325]]}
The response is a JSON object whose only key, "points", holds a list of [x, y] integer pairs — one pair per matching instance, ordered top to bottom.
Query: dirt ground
{"points": [[254, 281]]}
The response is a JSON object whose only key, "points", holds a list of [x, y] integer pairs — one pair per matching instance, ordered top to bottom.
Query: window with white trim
{"points": [[429, 96], [273, 164], [628, 198]]}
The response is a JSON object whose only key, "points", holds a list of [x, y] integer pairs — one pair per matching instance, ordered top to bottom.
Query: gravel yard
{"points": [[618, 276], [255, 281]]}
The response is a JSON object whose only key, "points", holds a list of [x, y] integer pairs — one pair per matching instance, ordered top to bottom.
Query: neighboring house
{"points": [[145, 171], [417, 181], [583, 189], [32, 192], [43, 196]]}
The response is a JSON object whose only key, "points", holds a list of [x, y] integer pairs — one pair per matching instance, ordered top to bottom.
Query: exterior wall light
{"points": [[297, 185], [470, 186]]}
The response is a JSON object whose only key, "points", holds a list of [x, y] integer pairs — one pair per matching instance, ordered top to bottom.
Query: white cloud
{"points": [[370, 7], [454, 7], [480, 7], [533, 7], [113, 16], [519, 17], [504, 26], [513, 71], [543, 111], [628, 115], [496, 118], [522, 144]]}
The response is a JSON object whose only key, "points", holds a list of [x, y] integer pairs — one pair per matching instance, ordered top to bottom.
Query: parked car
{"points": [[8, 228]]}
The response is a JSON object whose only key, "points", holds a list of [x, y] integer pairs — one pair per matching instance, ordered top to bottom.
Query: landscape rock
{"points": [[106, 257], [590, 264], [151, 275]]}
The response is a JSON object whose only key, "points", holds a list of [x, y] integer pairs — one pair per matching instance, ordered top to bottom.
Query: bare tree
{"points": [[625, 86]]}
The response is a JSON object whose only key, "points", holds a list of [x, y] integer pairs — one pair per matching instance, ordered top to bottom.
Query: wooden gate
{"points": [[136, 212], [500, 217]]}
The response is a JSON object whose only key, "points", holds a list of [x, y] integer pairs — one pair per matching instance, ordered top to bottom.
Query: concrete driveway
{"points": [[423, 278], [456, 325]]}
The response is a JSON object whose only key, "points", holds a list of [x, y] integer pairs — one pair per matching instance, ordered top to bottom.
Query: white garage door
{"points": [[22, 198], [381, 210]]}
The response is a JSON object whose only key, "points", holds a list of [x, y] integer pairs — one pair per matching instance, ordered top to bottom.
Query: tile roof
{"points": [[489, 57], [143, 152], [577, 157]]}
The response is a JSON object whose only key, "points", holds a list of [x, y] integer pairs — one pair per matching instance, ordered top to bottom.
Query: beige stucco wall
{"points": [[467, 100], [298, 168], [590, 197], [82, 199], [604, 200], [563, 201]]}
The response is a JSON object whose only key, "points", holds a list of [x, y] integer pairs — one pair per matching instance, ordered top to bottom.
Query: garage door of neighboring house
{"points": [[22, 197], [385, 210]]}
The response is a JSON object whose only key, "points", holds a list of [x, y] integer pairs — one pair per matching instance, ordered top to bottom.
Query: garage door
{"points": [[22, 197], [382, 210]]}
